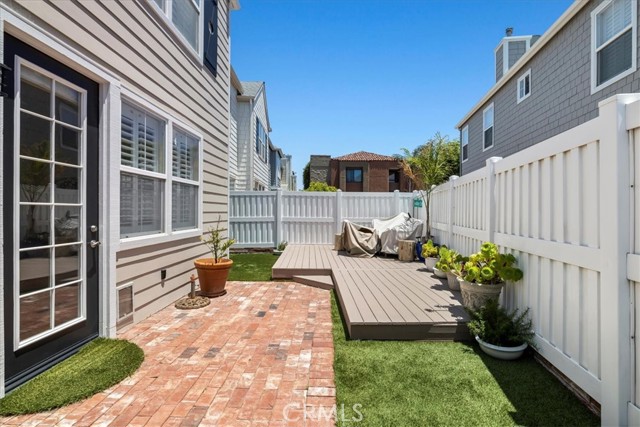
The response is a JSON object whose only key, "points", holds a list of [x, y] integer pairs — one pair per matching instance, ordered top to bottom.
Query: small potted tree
{"points": [[430, 255], [213, 272], [483, 276], [501, 334]]}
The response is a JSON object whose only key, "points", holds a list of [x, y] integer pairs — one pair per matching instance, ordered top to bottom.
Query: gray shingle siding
{"points": [[516, 50], [499, 62], [560, 95]]}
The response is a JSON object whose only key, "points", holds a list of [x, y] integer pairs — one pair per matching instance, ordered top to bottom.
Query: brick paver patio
{"points": [[257, 356]]}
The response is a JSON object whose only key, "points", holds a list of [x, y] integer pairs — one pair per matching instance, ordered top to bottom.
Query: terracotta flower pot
{"points": [[213, 276]]}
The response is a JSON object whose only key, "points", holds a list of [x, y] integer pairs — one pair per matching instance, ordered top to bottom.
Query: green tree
{"points": [[431, 164], [306, 176], [320, 186]]}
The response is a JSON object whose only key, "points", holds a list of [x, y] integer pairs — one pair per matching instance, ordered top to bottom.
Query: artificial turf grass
{"points": [[252, 267], [97, 366], [404, 383]]}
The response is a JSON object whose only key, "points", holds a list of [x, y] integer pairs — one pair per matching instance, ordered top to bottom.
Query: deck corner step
{"points": [[322, 282]]}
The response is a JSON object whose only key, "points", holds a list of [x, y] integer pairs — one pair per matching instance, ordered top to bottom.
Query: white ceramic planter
{"points": [[430, 263], [439, 273], [452, 281], [503, 353]]}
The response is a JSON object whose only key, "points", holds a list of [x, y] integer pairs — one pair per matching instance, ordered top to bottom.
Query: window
{"points": [[185, 17], [613, 40], [524, 86], [487, 128], [261, 140], [465, 143], [354, 174], [142, 175], [394, 176], [185, 182], [145, 186]]}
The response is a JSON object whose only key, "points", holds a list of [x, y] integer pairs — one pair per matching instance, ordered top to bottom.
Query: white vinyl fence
{"points": [[569, 209], [266, 218]]}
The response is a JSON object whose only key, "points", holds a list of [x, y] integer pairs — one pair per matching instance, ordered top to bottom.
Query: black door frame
{"points": [[27, 362]]}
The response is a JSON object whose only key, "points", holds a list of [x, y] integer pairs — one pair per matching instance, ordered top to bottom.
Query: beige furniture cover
{"points": [[358, 240]]}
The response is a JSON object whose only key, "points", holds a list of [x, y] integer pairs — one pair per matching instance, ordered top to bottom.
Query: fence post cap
{"points": [[493, 160], [453, 177]]}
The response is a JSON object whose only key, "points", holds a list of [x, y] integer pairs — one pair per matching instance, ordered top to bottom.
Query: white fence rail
{"points": [[568, 208], [265, 218]]}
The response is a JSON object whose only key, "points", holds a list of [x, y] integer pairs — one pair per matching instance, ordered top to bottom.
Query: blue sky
{"points": [[374, 75]]}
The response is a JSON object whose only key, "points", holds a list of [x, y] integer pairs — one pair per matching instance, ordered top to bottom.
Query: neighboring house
{"points": [[550, 84], [115, 127], [249, 150], [275, 166], [361, 171], [289, 181]]}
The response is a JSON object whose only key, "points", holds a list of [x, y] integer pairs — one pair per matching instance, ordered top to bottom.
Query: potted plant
{"points": [[281, 247], [430, 255], [450, 262], [436, 268], [213, 272], [483, 275], [501, 334]]}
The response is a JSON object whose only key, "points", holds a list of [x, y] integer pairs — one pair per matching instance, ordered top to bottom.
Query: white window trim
{"points": [[165, 17], [634, 46], [505, 49], [521, 79], [484, 128], [462, 143], [168, 235], [17, 343]]}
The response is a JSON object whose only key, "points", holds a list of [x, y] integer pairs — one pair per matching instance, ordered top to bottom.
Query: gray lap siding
{"points": [[560, 95]]}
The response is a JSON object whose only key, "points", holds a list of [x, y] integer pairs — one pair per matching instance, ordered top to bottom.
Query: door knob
{"points": [[95, 243]]}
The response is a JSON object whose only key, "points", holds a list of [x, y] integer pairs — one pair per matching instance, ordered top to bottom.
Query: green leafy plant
{"points": [[320, 186], [217, 243], [282, 246], [429, 250], [449, 260], [490, 267], [495, 325]]}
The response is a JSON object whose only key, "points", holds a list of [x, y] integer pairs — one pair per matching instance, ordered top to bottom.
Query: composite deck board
{"points": [[380, 297]]}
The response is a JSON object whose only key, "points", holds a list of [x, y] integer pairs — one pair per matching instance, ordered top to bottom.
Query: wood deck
{"points": [[381, 298]]}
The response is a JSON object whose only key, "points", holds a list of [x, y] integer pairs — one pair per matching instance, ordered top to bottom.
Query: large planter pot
{"points": [[419, 250], [430, 263], [439, 273], [213, 276], [452, 281], [475, 296], [503, 353]]}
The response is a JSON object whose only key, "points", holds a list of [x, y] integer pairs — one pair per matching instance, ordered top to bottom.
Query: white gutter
{"points": [[539, 44]]}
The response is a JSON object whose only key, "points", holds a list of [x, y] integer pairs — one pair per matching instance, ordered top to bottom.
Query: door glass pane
{"points": [[35, 92], [67, 105], [35, 136], [67, 143], [35, 178], [67, 179], [184, 206], [67, 224], [35, 226], [67, 264], [34, 270], [67, 307], [35, 314]]}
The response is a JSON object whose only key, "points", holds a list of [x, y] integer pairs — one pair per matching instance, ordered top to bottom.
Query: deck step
{"points": [[322, 282]]}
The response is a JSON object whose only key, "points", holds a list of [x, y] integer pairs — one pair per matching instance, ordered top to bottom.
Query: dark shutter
{"points": [[211, 35]]}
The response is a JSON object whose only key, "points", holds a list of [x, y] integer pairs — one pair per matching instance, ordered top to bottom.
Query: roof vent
{"points": [[509, 31]]}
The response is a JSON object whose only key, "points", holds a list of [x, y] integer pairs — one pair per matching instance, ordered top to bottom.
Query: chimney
{"points": [[509, 31]]}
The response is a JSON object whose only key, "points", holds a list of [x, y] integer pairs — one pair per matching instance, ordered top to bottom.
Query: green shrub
{"points": [[321, 186], [495, 325]]}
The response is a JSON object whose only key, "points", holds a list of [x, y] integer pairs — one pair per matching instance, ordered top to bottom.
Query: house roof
{"points": [[548, 35], [251, 89], [364, 156]]}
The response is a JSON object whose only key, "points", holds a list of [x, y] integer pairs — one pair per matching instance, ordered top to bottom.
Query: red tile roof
{"points": [[364, 156]]}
